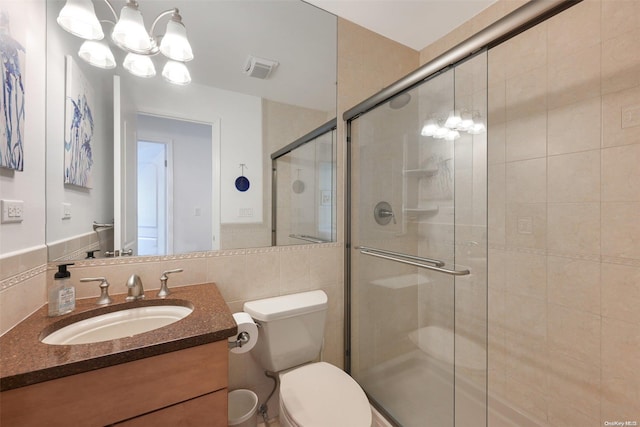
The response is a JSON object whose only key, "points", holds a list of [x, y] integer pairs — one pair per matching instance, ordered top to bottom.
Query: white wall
{"points": [[27, 20], [241, 134], [87, 205]]}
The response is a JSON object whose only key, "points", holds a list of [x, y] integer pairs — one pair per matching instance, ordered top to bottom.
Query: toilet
{"points": [[291, 330]]}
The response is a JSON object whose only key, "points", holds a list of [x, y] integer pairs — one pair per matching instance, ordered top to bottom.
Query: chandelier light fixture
{"points": [[129, 33], [450, 128]]}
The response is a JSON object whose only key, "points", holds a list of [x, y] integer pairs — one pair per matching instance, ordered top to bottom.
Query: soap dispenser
{"points": [[62, 294]]}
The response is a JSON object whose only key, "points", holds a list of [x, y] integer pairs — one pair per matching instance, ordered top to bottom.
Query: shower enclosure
{"points": [[303, 189], [418, 250]]}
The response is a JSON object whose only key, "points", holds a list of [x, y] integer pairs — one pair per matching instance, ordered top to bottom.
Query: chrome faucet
{"points": [[134, 285], [164, 289]]}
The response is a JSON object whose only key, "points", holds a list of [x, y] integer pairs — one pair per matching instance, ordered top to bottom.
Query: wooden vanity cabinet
{"points": [[184, 387]]}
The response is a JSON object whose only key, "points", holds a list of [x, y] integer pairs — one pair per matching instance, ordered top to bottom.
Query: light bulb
{"points": [[79, 18], [130, 33], [174, 44], [98, 54], [139, 65], [176, 72], [453, 120], [466, 122], [429, 128], [477, 128], [441, 133], [452, 135]]}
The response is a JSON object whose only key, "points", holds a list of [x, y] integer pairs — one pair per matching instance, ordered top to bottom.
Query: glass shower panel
{"points": [[305, 192], [418, 228]]}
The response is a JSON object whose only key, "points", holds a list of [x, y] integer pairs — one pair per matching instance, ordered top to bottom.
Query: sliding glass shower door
{"points": [[418, 275]]}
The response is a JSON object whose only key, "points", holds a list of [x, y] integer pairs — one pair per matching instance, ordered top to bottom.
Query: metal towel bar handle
{"points": [[308, 238], [433, 261], [427, 263]]}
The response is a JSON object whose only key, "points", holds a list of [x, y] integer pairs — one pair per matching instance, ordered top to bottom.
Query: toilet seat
{"points": [[321, 395]]}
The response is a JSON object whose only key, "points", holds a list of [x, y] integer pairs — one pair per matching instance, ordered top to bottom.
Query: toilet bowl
{"points": [[311, 394], [321, 395]]}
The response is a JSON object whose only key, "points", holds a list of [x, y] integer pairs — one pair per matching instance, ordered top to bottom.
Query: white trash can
{"points": [[243, 406]]}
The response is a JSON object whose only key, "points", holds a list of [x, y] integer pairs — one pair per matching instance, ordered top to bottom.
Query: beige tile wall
{"points": [[563, 214], [22, 285]]}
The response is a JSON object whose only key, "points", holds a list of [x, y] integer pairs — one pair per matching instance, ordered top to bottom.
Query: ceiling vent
{"points": [[259, 68]]}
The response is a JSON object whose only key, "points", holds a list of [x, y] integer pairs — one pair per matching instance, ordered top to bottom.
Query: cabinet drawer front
{"points": [[106, 396], [208, 410]]}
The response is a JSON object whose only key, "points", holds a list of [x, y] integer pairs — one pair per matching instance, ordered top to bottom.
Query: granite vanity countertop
{"points": [[24, 360]]}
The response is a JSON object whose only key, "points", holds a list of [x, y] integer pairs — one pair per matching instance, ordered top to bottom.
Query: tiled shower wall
{"points": [[564, 209], [564, 217]]}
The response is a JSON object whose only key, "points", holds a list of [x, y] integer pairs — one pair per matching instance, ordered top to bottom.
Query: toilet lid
{"points": [[321, 395]]}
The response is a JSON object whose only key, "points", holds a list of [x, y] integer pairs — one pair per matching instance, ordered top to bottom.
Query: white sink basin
{"points": [[117, 324]]}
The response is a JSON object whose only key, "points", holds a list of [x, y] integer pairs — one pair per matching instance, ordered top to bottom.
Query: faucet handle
{"points": [[164, 288], [104, 298]]}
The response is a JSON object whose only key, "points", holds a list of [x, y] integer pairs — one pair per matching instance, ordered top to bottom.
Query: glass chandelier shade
{"points": [[79, 18], [130, 33], [174, 44], [98, 54], [139, 65], [176, 72], [454, 120], [429, 128], [449, 129]]}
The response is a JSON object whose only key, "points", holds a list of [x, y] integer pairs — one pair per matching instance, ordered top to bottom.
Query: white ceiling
{"points": [[413, 23], [301, 37]]}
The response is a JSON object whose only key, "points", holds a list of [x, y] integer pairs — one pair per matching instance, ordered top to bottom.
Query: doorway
{"points": [[155, 201]]}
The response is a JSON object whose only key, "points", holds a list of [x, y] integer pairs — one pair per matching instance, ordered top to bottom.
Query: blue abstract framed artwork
{"points": [[12, 66], [78, 135]]}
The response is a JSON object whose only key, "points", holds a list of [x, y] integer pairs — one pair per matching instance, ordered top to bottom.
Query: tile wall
{"points": [[564, 192], [564, 240]]}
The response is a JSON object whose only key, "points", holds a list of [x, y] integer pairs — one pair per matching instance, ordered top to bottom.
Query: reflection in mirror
{"points": [[246, 118], [304, 185]]}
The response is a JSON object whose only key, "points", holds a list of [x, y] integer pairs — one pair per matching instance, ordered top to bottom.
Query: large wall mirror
{"points": [[147, 167]]}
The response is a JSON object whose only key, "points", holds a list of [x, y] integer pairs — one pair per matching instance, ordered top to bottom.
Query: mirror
{"points": [[182, 150], [304, 189]]}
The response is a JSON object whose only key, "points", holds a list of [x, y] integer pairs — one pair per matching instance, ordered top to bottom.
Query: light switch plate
{"points": [[66, 211]]}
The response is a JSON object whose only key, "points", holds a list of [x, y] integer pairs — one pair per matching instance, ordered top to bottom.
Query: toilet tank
{"points": [[291, 329]]}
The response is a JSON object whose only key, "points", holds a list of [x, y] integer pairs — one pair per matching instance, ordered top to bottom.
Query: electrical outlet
{"points": [[630, 116], [12, 210], [245, 212], [525, 225]]}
